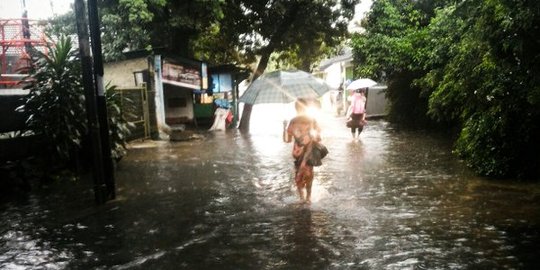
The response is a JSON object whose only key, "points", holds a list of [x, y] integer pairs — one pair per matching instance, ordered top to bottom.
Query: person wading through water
{"points": [[356, 113], [304, 130]]}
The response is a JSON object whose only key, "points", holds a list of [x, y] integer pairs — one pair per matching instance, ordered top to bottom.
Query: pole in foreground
{"points": [[98, 172]]}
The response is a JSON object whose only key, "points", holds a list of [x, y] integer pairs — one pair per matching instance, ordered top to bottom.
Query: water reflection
{"points": [[394, 199]]}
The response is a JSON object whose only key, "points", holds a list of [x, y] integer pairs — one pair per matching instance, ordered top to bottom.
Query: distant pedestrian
{"points": [[338, 102], [356, 113], [304, 130]]}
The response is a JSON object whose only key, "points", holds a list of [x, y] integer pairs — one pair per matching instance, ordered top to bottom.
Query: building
{"points": [[337, 72], [183, 94]]}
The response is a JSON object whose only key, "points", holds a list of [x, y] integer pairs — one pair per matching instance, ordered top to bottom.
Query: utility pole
{"points": [[26, 29], [95, 33], [98, 172]]}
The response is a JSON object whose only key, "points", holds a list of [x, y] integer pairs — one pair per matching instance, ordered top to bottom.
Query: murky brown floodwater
{"points": [[392, 200]]}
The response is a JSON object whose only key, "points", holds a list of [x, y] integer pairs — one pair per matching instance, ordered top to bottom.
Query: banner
{"points": [[181, 75]]}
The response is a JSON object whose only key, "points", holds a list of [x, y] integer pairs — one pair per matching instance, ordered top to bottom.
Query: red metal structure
{"points": [[17, 37]]}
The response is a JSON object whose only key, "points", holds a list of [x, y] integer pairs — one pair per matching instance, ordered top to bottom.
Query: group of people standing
{"points": [[305, 132]]}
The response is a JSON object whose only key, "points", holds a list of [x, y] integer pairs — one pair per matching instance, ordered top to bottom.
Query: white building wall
{"points": [[333, 75]]}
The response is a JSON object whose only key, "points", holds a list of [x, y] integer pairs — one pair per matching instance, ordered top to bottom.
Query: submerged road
{"points": [[394, 199]]}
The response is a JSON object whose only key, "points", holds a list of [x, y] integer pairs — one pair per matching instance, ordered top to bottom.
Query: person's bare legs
{"points": [[360, 129], [299, 180], [304, 181], [300, 190], [308, 190]]}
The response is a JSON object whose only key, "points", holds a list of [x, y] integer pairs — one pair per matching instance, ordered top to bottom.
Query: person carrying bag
{"points": [[356, 114], [307, 150]]}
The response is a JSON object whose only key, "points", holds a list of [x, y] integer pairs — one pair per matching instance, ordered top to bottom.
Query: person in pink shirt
{"points": [[356, 113]]}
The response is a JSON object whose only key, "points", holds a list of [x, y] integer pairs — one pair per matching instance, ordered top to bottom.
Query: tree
{"points": [[155, 24], [301, 28], [237, 31], [390, 50], [470, 63], [489, 86]]}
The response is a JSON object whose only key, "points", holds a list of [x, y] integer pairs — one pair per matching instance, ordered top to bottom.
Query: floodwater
{"points": [[393, 199]]}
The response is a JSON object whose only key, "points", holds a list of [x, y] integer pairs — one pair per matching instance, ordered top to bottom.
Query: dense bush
{"points": [[475, 62], [55, 103], [56, 108], [119, 127]]}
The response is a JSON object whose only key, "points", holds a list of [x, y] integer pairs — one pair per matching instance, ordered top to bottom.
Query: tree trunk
{"points": [[289, 17], [246, 112]]}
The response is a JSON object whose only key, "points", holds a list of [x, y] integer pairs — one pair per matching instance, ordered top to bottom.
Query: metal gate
{"points": [[135, 108]]}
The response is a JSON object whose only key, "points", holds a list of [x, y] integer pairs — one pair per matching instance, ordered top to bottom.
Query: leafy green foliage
{"points": [[117, 16], [146, 24], [62, 25], [298, 32], [391, 51], [474, 62], [493, 66], [55, 104], [56, 107], [119, 127]]}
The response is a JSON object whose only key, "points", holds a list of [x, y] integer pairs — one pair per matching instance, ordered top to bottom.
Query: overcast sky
{"points": [[37, 9], [43, 9], [359, 13]]}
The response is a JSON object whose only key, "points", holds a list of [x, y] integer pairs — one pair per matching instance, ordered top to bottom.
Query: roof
{"points": [[345, 57]]}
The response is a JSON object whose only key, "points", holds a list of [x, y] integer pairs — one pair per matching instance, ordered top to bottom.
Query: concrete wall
{"points": [[120, 73]]}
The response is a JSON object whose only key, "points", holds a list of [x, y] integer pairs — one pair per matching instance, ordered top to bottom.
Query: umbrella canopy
{"points": [[361, 83], [283, 87]]}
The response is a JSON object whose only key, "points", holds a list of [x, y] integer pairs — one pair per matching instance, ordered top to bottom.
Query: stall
{"points": [[224, 81], [184, 96]]}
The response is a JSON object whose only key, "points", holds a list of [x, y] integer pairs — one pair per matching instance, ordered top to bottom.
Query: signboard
{"points": [[181, 75]]}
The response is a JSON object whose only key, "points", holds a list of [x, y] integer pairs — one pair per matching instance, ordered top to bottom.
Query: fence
{"points": [[135, 109]]}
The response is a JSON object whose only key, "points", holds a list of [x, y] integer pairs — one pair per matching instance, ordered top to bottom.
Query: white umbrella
{"points": [[361, 83], [284, 87]]}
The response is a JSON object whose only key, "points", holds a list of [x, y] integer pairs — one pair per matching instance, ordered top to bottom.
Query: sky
{"points": [[37, 9], [43, 9], [359, 13]]}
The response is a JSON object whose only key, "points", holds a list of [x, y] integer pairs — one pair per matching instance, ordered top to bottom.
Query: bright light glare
{"points": [[37, 9], [313, 112]]}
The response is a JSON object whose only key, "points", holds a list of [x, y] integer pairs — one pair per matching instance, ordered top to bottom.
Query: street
{"points": [[394, 199]]}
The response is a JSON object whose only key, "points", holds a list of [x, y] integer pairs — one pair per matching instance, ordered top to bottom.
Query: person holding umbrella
{"points": [[356, 114], [305, 131]]}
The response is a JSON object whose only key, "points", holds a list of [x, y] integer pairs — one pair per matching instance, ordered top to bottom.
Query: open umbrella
{"points": [[361, 83], [283, 87]]}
